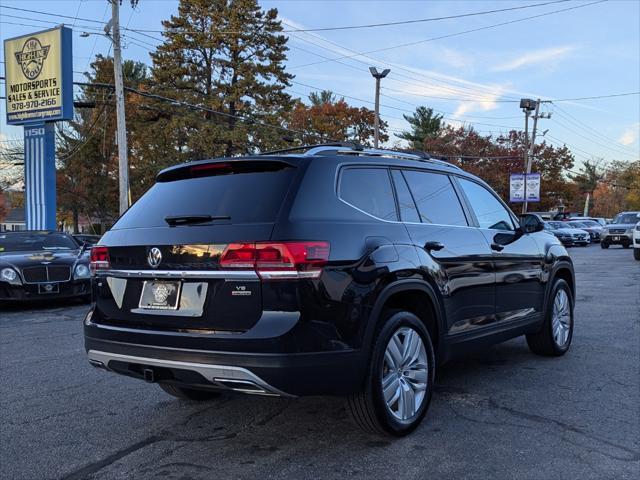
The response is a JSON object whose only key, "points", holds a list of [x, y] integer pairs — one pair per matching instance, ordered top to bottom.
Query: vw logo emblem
{"points": [[155, 257]]}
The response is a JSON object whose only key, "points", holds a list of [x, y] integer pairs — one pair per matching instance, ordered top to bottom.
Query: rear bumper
{"points": [[286, 374]]}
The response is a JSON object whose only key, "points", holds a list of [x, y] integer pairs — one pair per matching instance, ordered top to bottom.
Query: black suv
{"points": [[339, 271]]}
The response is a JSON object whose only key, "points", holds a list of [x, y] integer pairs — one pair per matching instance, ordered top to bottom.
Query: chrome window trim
{"points": [[180, 274]]}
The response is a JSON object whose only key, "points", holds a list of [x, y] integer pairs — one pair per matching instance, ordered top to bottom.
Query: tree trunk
{"points": [[75, 220]]}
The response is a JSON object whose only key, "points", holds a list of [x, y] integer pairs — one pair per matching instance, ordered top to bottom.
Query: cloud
{"points": [[545, 56], [630, 134]]}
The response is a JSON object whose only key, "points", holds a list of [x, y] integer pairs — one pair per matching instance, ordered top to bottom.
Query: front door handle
{"points": [[433, 246], [497, 247]]}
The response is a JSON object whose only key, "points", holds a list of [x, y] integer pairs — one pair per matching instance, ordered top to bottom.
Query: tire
{"points": [[604, 245], [636, 253], [545, 342], [189, 393], [368, 408]]}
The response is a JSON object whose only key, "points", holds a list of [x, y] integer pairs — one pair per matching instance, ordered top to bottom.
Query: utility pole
{"points": [[528, 105], [376, 121], [123, 162]]}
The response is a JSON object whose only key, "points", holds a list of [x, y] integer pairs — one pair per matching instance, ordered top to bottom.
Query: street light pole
{"points": [[527, 105], [376, 121], [123, 161]]}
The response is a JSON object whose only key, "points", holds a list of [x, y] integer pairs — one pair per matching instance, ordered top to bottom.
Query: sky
{"points": [[473, 78]]}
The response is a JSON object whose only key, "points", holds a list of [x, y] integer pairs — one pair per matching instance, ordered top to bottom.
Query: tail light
{"points": [[99, 258], [284, 260]]}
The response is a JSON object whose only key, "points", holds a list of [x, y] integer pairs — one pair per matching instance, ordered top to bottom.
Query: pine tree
{"points": [[227, 56], [424, 124]]}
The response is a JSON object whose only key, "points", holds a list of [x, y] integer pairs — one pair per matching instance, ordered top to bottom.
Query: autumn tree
{"points": [[226, 56], [330, 119], [424, 124], [494, 159], [87, 162]]}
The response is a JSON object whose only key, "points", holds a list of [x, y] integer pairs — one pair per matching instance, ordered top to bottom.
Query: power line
{"points": [[423, 20], [384, 49], [595, 97], [173, 101], [576, 121]]}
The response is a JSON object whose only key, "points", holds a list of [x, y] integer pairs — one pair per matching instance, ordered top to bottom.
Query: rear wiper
{"points": [[193, 219]]}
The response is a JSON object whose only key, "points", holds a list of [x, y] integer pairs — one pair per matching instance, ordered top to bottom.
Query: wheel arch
{"points": [[562, 270], [415, 296]]}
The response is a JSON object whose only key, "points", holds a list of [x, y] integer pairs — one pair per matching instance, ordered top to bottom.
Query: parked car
{"points": [[600, 220], [593, 228], [620, 230], [568, 235], [86, 239], [636, 242], [42, 265], [337, 271]]}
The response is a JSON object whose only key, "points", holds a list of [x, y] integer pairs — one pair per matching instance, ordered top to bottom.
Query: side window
{"points": [[369, 189], [436, 198], [408, 210], [489, 211]]}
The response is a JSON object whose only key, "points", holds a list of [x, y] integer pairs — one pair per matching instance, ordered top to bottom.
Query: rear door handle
{"points": [[433, 246], [497, 247]]}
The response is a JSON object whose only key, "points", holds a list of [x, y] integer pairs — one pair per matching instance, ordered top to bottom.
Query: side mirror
{"points": [[531, 223]]}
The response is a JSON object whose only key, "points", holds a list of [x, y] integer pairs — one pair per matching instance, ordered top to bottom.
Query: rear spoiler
{"points": [[221, 166]]}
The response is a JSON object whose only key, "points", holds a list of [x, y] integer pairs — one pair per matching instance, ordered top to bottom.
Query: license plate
{"points": [[615, 239], [45, 288], [160, 295]]}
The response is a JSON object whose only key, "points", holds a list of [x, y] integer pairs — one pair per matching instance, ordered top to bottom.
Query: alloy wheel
{"points": [[561, 318], [405, 373]]}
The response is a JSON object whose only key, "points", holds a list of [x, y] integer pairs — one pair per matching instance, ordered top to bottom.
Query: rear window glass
{"points": [[369, 189], [247, 197]]}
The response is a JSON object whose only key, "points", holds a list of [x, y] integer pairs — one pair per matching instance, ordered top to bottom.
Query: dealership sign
{"points": [[39, 77], [39, 91], [524, 186]]}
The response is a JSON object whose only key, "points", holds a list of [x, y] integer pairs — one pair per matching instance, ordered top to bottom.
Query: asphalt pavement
{"points": [[501, 413]]}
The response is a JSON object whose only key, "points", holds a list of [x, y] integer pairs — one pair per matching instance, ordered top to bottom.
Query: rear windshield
{"points": [[247, 197]]}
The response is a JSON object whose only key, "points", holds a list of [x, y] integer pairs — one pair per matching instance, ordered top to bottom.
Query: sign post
{"points": [[39, 86]]}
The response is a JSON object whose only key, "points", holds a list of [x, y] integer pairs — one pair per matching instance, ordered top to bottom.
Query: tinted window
{"points": [[369, 189], [247, 197], [436, 199], [488, 209], [408, 211]]}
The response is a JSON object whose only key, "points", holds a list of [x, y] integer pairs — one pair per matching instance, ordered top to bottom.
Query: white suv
{"points": [[636, 242]]}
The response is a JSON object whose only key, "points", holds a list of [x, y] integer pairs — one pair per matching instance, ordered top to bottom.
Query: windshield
{"points": [[627, 218], [579, 224], [555, 225], [34, 241]]}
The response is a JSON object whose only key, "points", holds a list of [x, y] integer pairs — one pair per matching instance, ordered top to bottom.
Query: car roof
{"points": [[336, 154]]}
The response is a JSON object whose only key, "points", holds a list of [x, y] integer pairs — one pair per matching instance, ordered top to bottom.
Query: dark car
{"points": [[567, 234], [42, 265], [338, 271]]}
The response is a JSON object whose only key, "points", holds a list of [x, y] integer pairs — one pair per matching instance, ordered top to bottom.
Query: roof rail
{"points": [[316, 148], [411, 155]]}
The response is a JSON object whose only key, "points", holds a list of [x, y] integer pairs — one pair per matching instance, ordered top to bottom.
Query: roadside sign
{"points": [[39, 77], [533, 187], [516, 190]]}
